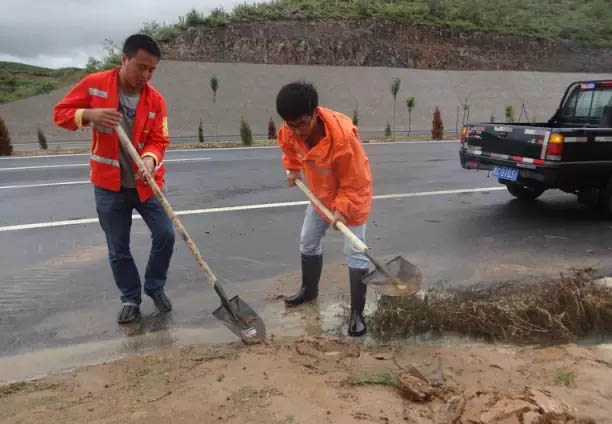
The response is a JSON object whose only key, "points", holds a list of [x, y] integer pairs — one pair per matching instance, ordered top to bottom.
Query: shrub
{"points": [[271, 130], [437, 130], [201, 132], [245, 132], [42, 140], [6, 148]]}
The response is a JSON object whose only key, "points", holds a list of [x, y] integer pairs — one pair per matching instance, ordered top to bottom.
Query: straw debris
{"points": [[556, 311]]}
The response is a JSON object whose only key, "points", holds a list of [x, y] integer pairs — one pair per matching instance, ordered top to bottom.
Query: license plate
{"points": [[510, 174]]}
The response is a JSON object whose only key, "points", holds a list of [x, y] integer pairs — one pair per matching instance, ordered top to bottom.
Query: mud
{"points": [[322, 380]]}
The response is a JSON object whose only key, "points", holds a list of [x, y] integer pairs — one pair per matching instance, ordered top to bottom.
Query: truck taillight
{"points": [[464, 134], [554, 150]]}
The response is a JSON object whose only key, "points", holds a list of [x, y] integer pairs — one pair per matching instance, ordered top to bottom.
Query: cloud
{"points": [[48, 32]]}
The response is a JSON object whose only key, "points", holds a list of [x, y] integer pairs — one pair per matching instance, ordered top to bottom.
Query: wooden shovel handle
{"points": [[129, 148], [343, 228]]}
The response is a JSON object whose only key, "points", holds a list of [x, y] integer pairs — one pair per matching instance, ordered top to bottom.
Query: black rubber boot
{"points": [[311, 274], [357, 326]]}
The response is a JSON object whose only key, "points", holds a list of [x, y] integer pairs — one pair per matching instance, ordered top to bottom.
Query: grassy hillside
{"points": [[587, 21], [18, 80]]}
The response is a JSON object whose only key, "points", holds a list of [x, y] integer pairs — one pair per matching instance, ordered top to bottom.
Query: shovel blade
{"points": [[405, 278], [249, 326]]}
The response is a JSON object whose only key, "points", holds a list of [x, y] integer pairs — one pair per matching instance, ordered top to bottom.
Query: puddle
{"points": [[156, 331]]}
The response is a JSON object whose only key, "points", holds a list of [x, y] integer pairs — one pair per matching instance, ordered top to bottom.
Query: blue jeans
{"points": [[115, 214], [313, 230]]}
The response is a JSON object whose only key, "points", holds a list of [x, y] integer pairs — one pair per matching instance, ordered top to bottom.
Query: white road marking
{"points": [[67, 155], [77, 165], [44, 185], [244, 208]]}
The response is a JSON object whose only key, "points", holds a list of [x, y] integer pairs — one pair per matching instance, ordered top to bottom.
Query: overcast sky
{"points": [[57, 33]]}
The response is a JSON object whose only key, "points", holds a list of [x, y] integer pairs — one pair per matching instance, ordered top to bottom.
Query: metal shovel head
{"points": [[405, 278], [249, 326]]}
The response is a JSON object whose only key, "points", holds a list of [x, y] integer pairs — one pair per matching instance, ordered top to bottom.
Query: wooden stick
{"points": [[129, 148], [343, 228]]}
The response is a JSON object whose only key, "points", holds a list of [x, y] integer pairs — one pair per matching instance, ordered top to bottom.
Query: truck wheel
{"points": [[524, 192], [605, 199]]}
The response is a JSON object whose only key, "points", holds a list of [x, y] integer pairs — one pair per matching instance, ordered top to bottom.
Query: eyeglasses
{"points": [[297, 125]]}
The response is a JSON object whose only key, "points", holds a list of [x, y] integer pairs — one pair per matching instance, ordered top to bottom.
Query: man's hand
{"points": [[106, 117], [149, 164], [292, 176], [338, 217]]}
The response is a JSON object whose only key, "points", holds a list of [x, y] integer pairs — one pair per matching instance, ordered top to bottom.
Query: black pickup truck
{"points": [[571, 152]]}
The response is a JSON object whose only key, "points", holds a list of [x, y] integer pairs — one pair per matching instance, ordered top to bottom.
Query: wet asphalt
{"points": [[58, 302]]}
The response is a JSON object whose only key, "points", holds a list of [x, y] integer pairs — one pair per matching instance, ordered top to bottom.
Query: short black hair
{"points": [[136, 42], [297, 99]]}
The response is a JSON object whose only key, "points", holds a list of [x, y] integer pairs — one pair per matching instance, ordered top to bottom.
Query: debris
{"points": [[559, 310], [383, 356], [414, 371], [437, 376], [415, 389], [168, 393], [547, 404], [475, 405], [505, 409], [451, 410], [531, 417]]}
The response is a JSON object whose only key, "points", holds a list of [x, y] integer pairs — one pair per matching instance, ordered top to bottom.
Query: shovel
{"points": [[398, 277], [235, 313]]}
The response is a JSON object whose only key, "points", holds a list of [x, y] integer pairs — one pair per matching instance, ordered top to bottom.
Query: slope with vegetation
{"points": [[585, 21], [547, 35], [18, 80]]}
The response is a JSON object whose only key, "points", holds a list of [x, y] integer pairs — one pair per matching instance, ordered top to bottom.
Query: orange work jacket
{"points": [[149, 136], [337, 169]]}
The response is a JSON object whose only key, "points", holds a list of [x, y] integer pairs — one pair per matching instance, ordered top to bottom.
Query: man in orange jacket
{"points": [[124, 96], [325, 146]]}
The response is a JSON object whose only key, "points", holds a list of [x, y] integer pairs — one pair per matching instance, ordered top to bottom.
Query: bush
{"points": [[193, 18], [150, 28], [166, 34], [46, 87], [510, 113], [271, 130], [388, 130], [437, 130], [201, 132], [245, 132], [42, 140], [6, 148]]}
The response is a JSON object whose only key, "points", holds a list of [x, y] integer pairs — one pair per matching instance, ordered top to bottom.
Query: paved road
{"points": [[56, 287]]}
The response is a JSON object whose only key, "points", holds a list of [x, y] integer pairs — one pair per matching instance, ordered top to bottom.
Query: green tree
{"points": [[214, 86], [395, 86], [410, 103]]}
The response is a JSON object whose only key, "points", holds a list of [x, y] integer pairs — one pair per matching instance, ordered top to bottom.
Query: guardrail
{"points": [[230, 138]]}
